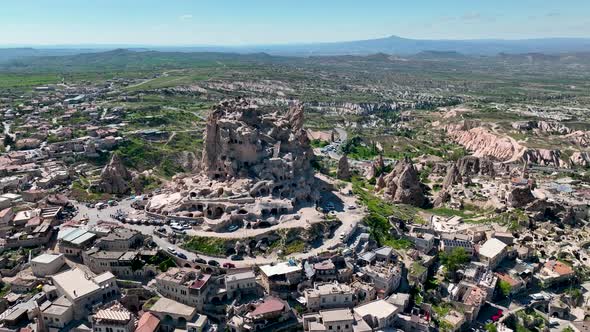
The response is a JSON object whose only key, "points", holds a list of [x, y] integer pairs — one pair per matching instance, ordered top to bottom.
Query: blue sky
{"points": [[238, 22]]}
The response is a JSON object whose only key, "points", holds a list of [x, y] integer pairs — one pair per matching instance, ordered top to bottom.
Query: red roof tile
{"points": [[201, 281], [269, 305], [147, 323]]}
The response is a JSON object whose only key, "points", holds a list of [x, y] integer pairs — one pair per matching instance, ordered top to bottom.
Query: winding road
{"points": [[349, 219]]}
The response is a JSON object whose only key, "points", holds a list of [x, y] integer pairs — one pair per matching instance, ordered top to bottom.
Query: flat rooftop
{"points": [[46, 258], [280, 268], [75, 283], [165, 306], [378, 308], [336, 315]]}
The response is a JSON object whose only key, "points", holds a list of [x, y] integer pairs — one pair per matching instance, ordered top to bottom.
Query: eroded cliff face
{"points": [[551, 127], [482, 142], [115, 178], [402, 185]]}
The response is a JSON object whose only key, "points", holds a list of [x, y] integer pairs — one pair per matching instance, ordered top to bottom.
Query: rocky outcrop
{"points": [[550, 127], [580, 138], [241, 140], [483, 143], [543, 157], [580, 159], [187, 160], [380, 163], [256, 166], [343, 172], [114, 178], [452, 178], [380, 183], [402, 185], [442, 197], [519, 197], [543, 210]]}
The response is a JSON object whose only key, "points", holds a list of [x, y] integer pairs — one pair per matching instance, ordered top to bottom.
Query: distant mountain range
{"points": [[390, 45], [404, 46]]}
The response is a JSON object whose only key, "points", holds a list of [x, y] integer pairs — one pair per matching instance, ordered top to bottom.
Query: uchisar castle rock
{"points": [[256, 166]]}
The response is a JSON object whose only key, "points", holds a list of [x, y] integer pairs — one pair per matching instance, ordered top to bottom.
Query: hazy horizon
{"points": [[235, 23], [140, 45]]}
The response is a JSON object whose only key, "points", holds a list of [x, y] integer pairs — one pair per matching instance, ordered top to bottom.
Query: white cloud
{"points": [[185, 17]]}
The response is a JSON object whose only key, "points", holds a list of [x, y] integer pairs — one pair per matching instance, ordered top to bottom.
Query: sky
{"points": [[255, 22]]}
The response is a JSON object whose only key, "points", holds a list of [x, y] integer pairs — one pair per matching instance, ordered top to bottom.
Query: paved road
{"points": [[342, 134], [349, 218]]}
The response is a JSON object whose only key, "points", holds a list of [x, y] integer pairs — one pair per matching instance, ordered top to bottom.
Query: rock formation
{"points": [[550, 127], [580, 138], [484, 143], [187, 160], [380, 163], [472, 165], [255, 166], [343, 172], [114, 178], [452, 178], [380, 183], [402, 185], [442, 197], [519, 197]]}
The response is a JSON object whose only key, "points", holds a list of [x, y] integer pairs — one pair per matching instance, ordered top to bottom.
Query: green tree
{"points": [[8, 140], [455, 259], [505, 288], [491, 327]]}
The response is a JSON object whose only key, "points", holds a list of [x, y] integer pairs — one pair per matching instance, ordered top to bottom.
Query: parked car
{"points": [[186, 226], [232, 228], [178, 229], [162, 230], [171, 250], [181, 255], [236, 258], [199, 260], [213, 262], [228, 265]]}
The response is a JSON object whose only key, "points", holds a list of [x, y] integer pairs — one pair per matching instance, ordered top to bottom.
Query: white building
{"points": [[492, 252], [47, 264], [280, 276], [385, 277], [240, 283], [184, 285], [85, 290], [329, 295], [58, 314], [378, 314], [329, 320]]}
